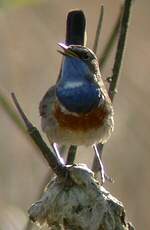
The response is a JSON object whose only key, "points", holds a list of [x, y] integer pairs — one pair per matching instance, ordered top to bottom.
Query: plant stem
{"points": [[98, 30], [110, 43], [120, 49], [117, 65], [4, 103], [71, 154], [54, 162]]}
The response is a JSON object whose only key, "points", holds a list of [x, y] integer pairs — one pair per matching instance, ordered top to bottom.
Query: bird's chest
{"points": [[83, 122]]}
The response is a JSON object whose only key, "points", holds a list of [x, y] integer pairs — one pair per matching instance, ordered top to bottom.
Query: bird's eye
{"points": [[85, 56]]}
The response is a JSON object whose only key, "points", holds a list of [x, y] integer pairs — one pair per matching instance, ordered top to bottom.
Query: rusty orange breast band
{"points": [[84, 122]]}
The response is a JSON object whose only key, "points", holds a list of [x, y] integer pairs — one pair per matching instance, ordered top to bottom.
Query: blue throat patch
{"points": [[75, 90]]}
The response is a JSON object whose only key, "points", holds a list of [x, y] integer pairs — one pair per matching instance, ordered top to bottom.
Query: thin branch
{"points": [[98, 30], [110, 43], [120, 48], [117, 65], [5, 104], [12, 114], [22, 114], [71, 154], [51, 158]]}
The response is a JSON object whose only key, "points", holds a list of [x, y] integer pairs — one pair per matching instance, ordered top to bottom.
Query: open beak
{"points": [[66, 50]]}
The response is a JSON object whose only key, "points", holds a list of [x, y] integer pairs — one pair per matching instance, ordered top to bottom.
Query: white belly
{"points": [[60, 135]]}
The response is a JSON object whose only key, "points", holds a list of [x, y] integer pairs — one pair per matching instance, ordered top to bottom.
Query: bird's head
{"points": [[82, 53], [78, 89]]}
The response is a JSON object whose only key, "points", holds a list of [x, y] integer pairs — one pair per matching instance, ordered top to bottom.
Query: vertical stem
{"points": [[99, 28], [110, 43], [120, 48], [117, 63], [71, 154]]}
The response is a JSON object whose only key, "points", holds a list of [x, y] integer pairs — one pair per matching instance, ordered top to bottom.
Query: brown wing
{"points": [[103, 88], [46, 102], [45, 108]]}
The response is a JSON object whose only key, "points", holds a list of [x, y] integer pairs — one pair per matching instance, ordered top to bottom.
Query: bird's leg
{"points": [[63, 149], [71, 152], [102, 172], [104, 176]]}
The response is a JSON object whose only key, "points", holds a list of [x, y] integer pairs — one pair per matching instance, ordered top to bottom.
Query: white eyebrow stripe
{"points": [[72, 85]]}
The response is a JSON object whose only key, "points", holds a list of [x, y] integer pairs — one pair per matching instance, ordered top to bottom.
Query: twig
{"points": [[99, 27], [110, 43], [120, 48], [117, 64], [10, 112], [22, 114], [71, 154], [51, 158]]}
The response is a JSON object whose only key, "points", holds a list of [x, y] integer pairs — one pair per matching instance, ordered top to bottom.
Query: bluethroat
{"points": [[77, 109]]}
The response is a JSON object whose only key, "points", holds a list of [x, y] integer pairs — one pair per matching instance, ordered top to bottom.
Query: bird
{"points": [[77, 109]]}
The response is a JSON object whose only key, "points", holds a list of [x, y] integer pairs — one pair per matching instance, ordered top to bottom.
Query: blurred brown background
{"points": [[29, 64]]}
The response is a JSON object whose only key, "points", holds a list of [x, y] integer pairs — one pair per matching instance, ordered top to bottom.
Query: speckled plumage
{"points": [[82, 127]]}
